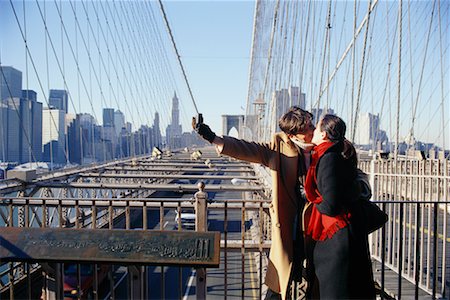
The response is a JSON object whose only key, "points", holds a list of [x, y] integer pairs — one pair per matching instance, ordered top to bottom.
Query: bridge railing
{"points": [[244, 225], [415, 242], [410, 251]]}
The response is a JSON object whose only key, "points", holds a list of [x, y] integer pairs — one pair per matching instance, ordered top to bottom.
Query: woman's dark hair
{"points": [[295, 121], [334, 127]]}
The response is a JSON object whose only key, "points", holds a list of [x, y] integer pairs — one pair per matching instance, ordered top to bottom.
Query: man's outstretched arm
{"points": [[240, 149]]}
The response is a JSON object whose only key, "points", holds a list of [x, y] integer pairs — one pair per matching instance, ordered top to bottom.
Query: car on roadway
{"points": [[186, 217]]}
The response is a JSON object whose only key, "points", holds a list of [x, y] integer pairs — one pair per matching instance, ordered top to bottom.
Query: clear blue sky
{"points": [[213, 39]]}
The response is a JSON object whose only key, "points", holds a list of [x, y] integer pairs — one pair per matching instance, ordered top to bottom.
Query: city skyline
{"points": [[32, 133]]}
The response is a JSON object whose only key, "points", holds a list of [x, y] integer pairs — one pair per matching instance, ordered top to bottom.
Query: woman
{"points": [[338, 253]]}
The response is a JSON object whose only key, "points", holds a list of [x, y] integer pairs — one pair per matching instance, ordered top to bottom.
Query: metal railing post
{"points": [[201, 216]]}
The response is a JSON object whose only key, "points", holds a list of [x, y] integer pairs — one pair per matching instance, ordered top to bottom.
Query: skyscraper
{"points": [[10, 83], [10, 94], [59, 99], [283, 100], [31, 112], [319, 112], [176, 115], [108, 117], [20, 119], [36, 120], [119, 122], [366, 127], [174, 129], [14, 131], [156, 131], [368, 133], [53, 135]]}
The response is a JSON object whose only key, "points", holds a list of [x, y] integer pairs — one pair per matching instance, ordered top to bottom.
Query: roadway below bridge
{"points": [[238, 274]]}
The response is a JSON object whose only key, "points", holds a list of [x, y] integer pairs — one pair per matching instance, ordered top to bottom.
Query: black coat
{"points": [[340, 266]]}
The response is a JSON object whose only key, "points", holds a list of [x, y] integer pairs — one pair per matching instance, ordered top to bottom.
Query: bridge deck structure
{"points": [[410, 253]]}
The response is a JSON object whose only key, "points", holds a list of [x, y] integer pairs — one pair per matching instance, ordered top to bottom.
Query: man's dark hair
{"points": [[295, 121], [334, 127]]}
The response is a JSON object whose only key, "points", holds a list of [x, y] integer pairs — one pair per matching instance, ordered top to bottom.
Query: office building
{"points": [[10, 83], [285, 98], [59, 99], [319, 112], [31, 113], [108, 117], [119, 122], [367, 126], [174, 129], [14, 132], [368, 133], [157, 139], [53, 140]]}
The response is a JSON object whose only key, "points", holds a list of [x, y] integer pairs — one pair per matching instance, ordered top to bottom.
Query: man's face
{"points": [[309, 131], [308, 134]]}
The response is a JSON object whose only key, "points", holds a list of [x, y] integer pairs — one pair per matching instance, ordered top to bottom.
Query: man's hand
{"points": [[203, 130]]}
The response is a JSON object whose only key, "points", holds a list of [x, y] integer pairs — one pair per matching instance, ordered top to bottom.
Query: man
{"points": [[288, 157]]}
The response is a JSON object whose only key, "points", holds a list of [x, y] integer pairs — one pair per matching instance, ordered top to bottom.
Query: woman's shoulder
{"points": [[330, 159]]}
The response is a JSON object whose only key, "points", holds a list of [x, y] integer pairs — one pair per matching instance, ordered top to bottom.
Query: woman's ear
{"points": [[324, 135]]}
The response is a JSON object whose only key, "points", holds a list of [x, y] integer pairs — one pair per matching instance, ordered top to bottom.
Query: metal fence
{"points": [[244, 232], [414, 244], [409, 253]]}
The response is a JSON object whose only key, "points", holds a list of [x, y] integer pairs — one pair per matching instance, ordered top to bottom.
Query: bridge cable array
{"points": [[300, 44], [102, 55]]}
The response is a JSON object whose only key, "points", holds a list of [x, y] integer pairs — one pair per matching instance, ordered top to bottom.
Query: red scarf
{"points": [[320, 226]]}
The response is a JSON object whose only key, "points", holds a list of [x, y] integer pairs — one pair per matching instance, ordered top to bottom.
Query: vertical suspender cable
{"points": [[303, 48], [325, 49], [347, 50], [178, 55], [269, 59], [291, 59], [252, 62], [411, 65], [353, 70], [361, 72], [48, 77], [27, 85], [442, 86], [16, 108], [414, 108], [2, 129], [66, 135], [397, 138], [444, 240]]}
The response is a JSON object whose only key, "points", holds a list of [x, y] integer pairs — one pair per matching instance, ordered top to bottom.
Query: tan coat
{"points": [[281, 156]]}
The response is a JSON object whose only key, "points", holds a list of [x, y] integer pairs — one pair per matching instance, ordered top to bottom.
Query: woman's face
{"points": [[318, 136]]}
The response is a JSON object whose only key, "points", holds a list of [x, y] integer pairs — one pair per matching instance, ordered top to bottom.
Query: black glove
{"points": [[203, 130]]}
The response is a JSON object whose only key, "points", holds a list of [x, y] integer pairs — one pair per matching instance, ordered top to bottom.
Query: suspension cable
{"points": [[349, 47], [325, 48], [177, 53], [422, 71], [361, 73], [399, 77], [442, 77]]}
